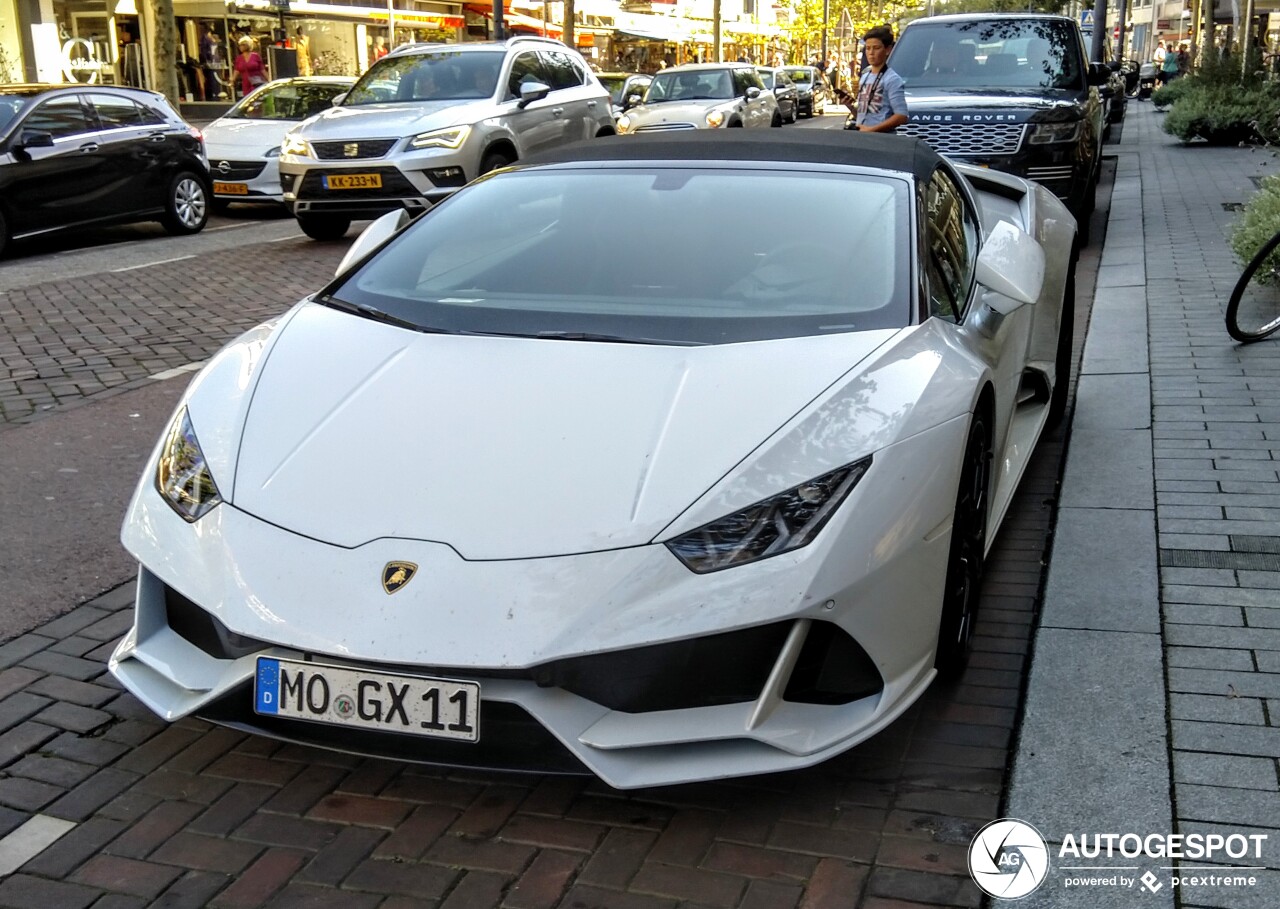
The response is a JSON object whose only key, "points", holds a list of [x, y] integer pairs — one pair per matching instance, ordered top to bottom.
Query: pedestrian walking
{"points": [[249, 65], [1169, 69]]}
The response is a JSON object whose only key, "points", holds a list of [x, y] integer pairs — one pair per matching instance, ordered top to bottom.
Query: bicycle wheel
{"points": [[1254, 310]]}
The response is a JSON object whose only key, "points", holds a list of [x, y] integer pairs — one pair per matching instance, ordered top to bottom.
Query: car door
{"points": [[579, 103], [756, 111], [538, 125], [134, 155], [56, 186], [949, 254]]}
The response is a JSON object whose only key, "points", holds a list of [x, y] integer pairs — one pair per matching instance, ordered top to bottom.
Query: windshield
{"points": [[993, 53], [436, 76], [800, 76], [693, 85], [614, 86], [287, 101], [10, 107], [534, 253]]}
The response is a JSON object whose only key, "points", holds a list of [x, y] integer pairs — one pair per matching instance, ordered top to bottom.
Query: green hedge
{"points": [[1221, 105], [1259, 222]]}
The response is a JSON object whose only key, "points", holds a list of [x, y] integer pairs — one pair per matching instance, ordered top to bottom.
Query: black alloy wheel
{"points": [[492, 161], [186, 206], [324, 227], [1062, 360], [968, 549]]}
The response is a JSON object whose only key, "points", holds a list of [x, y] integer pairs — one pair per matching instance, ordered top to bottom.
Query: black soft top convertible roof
{"points": [[800, 146]]}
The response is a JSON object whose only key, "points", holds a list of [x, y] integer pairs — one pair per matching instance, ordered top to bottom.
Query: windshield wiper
{"points": [[377, 315], [614, 339]]}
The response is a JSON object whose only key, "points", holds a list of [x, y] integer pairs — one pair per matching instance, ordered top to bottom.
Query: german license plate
{"points": [[353, 181], [230, 189], [438, 708]]}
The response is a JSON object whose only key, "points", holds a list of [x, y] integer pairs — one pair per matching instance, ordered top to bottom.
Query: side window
{"points": [[526, 67], [560, 69], [744, 79], [115, 112], [61, 116], [151, 117], [950, 246]]}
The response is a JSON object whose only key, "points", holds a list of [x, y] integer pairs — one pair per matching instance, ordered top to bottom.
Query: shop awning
{"points": [[654, 28]]}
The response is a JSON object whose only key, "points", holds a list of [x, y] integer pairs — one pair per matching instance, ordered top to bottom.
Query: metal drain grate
{"points": [[1233, 206], [1246, 542], [1209, 558]]}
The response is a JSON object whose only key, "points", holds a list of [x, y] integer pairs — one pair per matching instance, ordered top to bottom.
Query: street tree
{"points": [[165, 62]]}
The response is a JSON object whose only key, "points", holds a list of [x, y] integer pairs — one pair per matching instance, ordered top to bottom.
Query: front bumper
{"points": [[254, 180], [413, 181], [622, 663]]}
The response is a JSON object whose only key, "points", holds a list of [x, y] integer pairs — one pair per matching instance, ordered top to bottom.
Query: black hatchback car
{"points": [[80, 155]]}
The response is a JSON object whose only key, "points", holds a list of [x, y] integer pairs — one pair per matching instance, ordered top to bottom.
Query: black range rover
{"points": [[1012, 92]]}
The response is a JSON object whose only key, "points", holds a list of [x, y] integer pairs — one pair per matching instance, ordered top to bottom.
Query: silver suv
{"points": [[427, 118]]}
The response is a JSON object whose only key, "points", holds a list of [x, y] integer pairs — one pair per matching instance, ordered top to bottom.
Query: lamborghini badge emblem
{"points": [[396, 574]]}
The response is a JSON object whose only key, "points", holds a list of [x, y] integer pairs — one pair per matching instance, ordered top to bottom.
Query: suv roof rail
{"points": [[518, 39], [412, 46]]}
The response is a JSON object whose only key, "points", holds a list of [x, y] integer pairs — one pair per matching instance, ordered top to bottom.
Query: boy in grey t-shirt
{"points": [[882, 97]]}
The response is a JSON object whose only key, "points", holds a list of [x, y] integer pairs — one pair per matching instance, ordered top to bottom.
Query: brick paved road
{"points": [[192, 815]]}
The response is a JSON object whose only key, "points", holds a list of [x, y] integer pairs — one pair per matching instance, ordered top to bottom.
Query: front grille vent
{"points": [[968, 138], [363, 148]]}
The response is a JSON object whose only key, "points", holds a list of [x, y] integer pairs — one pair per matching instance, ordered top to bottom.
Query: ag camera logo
{"points": [[1008, 859]]}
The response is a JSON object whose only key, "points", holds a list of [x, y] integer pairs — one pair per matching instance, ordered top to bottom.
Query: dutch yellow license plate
{"points": [[353, 181], [230, 189]]}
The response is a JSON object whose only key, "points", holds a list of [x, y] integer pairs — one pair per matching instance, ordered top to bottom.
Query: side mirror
{"points": [[1099, 74], [533, 91], [752, 93], [339, 98], [34, 138], [373, 236], [1011, 263]]}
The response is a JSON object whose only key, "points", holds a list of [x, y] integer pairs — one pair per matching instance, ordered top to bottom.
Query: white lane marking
{"points": [[290, 237], [157, 262], [176, 371], [29, 840]]}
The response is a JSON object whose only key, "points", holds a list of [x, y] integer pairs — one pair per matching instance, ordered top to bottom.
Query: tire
{"points": [[795, 114], [777, 120], [492, 161], [186, 205], [1083, 210], [324, 227], [4, 234], [1253, 312], [1062, 359], [965, 560]]}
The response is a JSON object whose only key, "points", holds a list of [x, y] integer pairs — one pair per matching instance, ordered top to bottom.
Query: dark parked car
{"points": [[777, 81], [811, 89], [1010, 91], [1113, 92], [79, 155]]}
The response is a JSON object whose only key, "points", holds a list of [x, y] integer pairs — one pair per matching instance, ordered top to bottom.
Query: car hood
{"points": [[981, 106], [679, 111], [377, 120], [231, 138], [508, 448]]}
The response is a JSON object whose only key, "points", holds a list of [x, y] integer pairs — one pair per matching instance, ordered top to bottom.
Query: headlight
{"points": [[715, 119], [624, 123], [1045, 133], [452, 137], [294, 145], [273, 152], [182, 476], [775, 525]]}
